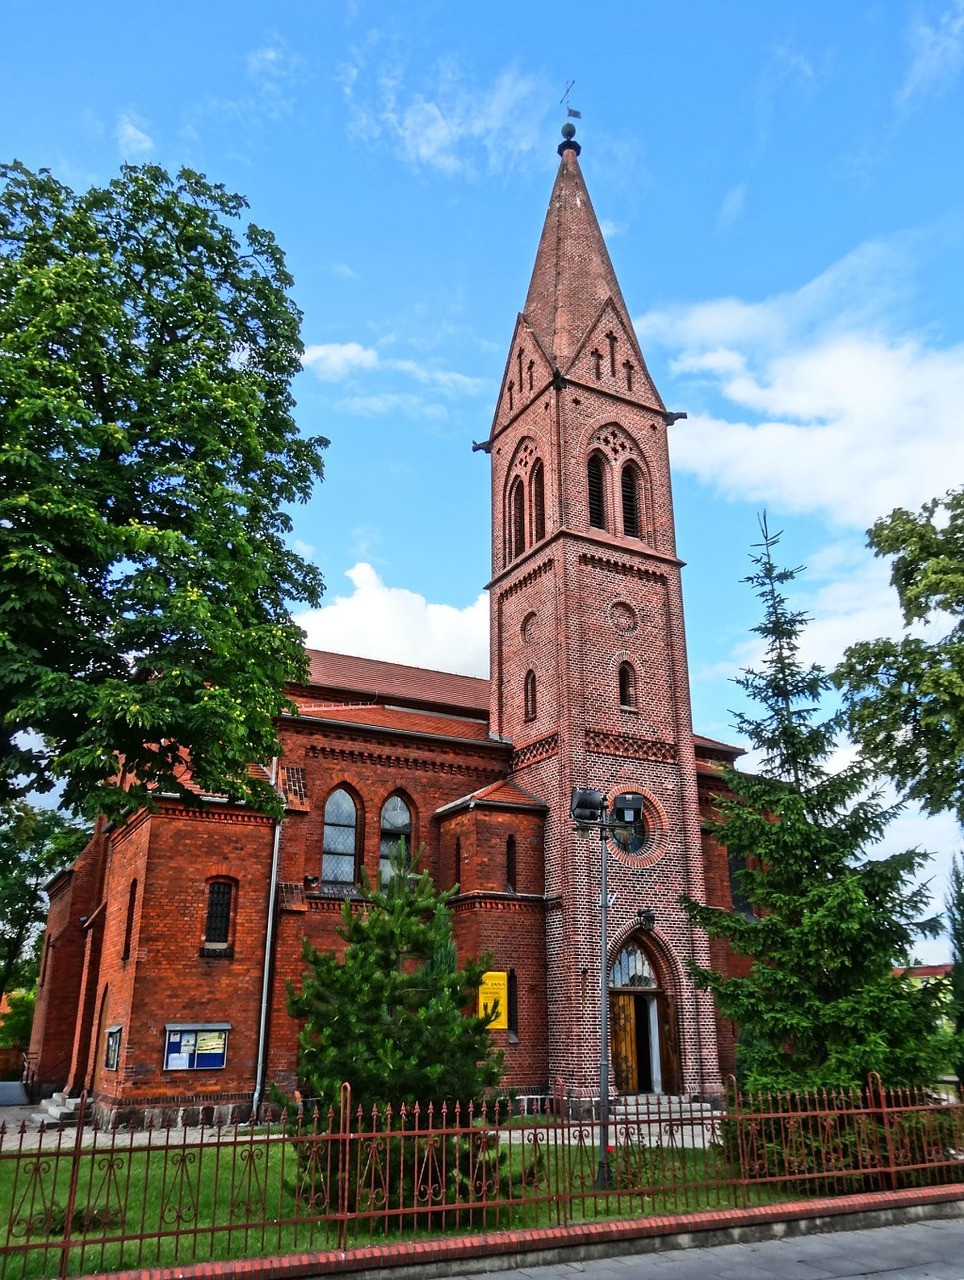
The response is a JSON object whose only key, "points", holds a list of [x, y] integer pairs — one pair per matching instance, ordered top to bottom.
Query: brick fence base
{"points": [[506, 1250]]}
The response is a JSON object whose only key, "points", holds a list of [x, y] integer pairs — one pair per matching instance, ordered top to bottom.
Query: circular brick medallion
{"points": [[623, 617], [646, 847]]}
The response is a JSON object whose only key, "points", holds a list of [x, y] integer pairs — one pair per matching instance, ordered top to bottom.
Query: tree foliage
{"points": [[147, 453], [905, 698], [34, 845], [954, 914], [826, 924], [395, 1015], [16, 1023]]}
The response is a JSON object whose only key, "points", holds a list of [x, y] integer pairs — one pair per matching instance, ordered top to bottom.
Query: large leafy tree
{"points": [[147, 454], [905, 697], [34, 845], [827, 922], [394, 1016]]}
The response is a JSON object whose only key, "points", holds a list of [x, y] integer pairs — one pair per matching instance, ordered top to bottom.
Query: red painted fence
{"points": [[92, 1200]]}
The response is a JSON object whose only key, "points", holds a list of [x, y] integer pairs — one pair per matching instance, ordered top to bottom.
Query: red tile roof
{"points": [[372, 679], [405, 719], [497, 793]]}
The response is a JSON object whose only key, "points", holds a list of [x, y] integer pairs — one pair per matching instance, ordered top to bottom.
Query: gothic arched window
{"points": [[594, 483], [629, 484], [538, 486], [517, 519], [627, 685], [530, 695], [395, 829], [340, 843], [129, 926], [632, 968]]}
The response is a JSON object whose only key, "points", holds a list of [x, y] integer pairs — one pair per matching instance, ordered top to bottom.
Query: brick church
{"points": [[170, 941]]}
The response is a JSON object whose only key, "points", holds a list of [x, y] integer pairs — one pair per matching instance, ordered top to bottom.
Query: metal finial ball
{"points": [[568, 131]]}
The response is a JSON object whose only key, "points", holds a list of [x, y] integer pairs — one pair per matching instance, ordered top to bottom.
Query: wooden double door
{"points": [[644, 1041]]}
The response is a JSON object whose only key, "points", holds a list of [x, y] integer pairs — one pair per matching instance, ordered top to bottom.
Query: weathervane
{"points": [[570, 111]]}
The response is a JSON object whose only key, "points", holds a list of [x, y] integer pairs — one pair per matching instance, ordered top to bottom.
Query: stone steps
{"points": [[58, 1110]]}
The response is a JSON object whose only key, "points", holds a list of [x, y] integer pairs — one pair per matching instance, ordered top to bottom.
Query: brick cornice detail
{"points": [[615, 565], [527, 578], [624, 744], [541, 749], [402, 760], [251, 818], [498, 901]]}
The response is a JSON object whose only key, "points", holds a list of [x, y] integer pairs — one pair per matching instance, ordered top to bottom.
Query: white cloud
{"points": [[938, 54], [265, 63], [448, 125], [132, 141], [732, 206], [334, 361], [342, 361], [445, 380], [376, 405], [810, 405], [395, 625]]}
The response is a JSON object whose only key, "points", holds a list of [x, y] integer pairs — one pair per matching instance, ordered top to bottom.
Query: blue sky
{"points": [[782, 189]]}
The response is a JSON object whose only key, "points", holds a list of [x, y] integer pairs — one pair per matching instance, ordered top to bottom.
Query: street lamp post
{"points": [[623, 821]]}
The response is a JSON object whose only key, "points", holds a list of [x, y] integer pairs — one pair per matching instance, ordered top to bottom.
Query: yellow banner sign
{"points": [[494, 991]]}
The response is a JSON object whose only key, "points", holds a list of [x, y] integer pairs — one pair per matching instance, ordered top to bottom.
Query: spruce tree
{"points": [[954, 910], [827, 923], [395, 1016]]}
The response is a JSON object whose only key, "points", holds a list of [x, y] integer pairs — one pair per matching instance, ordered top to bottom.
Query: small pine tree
{"points": [[954, 909], [826, 925], [395, 1016]]}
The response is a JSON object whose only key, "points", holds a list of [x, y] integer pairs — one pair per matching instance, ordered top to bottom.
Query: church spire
{"points": [[573, 276]]}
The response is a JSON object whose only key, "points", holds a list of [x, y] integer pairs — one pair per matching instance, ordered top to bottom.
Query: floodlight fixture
{"points": [[587, 807]]}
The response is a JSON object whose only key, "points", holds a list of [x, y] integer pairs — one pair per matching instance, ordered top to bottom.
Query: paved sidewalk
{"points": [[914, 1251]]}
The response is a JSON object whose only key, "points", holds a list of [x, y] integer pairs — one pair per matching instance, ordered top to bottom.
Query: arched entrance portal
{"points": [[642, 1018]]}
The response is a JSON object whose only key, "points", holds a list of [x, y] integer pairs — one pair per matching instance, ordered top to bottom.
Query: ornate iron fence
{"points": [[91, 1200]]}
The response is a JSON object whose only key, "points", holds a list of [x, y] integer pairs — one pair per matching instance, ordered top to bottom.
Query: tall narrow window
{"points": [[630, 494], [538, 503], [597, 507], [517, 515], [627, 685], [530, 695], [396, 829], [340, 843], [458, 861], [510, 864], [740, 898], [129, 926], [217, 927], [512, 1013]]}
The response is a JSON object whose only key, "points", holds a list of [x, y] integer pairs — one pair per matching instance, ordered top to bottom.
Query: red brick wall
{"points": [[571, 608], [73, 895], [166, 979]]}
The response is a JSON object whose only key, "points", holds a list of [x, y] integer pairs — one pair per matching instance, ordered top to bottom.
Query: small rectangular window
{"points": [[203, 1047], [112, 1048]]}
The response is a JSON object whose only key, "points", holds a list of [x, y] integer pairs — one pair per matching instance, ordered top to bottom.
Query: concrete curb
{"points": [[508, 1250]]}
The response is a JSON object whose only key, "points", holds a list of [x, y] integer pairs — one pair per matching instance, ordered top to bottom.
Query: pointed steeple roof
{"points": [[573, 277]]}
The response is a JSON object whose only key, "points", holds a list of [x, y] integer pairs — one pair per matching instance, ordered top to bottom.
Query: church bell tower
{"points": [[588, 659]]}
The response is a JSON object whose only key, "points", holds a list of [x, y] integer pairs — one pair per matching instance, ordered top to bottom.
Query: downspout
{"points": [[268, 950]]}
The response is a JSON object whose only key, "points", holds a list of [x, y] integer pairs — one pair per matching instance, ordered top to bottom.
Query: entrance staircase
{"points": [[58, 1110], [657, 1119]]}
